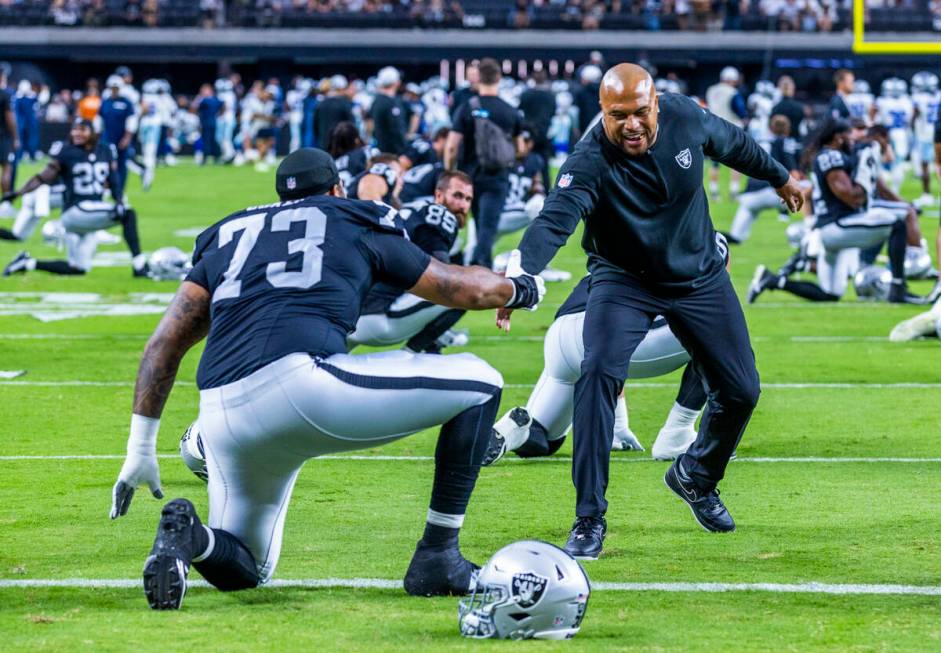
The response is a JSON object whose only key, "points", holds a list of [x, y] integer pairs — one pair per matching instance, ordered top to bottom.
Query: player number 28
{"points": [[277, 274]]}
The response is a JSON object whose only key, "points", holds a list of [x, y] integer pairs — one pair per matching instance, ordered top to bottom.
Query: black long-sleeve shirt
{"points": [[647, 216]]}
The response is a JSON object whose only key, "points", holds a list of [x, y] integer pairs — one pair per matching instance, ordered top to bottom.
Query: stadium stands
{"points": [[651, 15]]}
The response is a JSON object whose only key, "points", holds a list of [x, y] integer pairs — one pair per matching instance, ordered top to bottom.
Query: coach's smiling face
{"points": [[630, 107]]}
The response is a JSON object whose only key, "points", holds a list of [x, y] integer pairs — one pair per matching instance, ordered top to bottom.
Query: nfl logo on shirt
{"points": [[685, 159], [566, 179], [291, 183]]}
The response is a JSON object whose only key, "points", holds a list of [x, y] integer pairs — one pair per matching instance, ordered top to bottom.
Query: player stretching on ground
{"points": [[86, 167], [277, 288]]}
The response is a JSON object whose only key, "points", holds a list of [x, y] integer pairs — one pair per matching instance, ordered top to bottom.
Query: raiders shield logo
{"points": [[685, 159], [565, 180], [291, 183], [528, 588]]}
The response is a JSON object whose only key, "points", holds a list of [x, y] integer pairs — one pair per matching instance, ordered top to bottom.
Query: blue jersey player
{"points": [[275, 289]]}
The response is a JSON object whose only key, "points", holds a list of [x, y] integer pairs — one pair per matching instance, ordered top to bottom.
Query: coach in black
{"points": [[636, 179]]}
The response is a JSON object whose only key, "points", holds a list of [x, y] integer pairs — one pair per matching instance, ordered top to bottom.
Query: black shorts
{"points": [[266, 132]]}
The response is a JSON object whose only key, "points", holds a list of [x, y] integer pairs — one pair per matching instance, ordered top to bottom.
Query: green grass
{"points": [[835, 522]]}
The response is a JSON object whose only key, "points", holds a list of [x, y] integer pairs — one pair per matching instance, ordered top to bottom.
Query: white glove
{"points": [[534, 206], [529, 288], [626, 441], [139, 467]]}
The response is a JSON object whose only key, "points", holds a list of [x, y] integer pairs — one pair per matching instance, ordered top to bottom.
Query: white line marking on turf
{"points": [[641, 384], [523, 461], [383, 583]]}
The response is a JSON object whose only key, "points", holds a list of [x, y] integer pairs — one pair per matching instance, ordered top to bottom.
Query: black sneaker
{"points": [[18, 264], [760, 282], [935, 293], [898, 294], [517, 418], [706, 507], [587, 537], [170, 558], [436, 571]]}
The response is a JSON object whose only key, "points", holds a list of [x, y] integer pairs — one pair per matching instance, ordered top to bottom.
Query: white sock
{"points": [[620, 416], [680, 417]]}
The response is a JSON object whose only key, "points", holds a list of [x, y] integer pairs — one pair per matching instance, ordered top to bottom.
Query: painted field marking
{"points": [[640, 384], [618, 458], [387, 583]]}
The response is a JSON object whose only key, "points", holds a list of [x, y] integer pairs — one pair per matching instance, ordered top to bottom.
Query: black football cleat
{"points": [[17, 265], [761, 281], [899, 294], [517, 418], [707, 507], [587, 538], [170, 558], [440, 571]]}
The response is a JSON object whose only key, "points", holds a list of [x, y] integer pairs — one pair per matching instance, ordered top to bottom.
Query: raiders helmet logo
{"points": [[684, 159], [565, 180], [291, 183], [528, 588]]}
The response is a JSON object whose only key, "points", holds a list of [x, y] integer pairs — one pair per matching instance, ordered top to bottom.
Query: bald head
{"points": [[624, 81], [630, 108]]}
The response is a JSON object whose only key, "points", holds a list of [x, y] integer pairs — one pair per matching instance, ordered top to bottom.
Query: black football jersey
{"points": [[420, 152], [352, 163], [381, 169], [83, 172], [521, 176], [418, 182], [827, 206], [433, 229], [291, 277]]}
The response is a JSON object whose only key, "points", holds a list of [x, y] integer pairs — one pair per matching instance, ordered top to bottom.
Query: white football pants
{"points": [[749, 206], [82, 222], [842, 241], [407, 316], [552, 400], [259, 431]]}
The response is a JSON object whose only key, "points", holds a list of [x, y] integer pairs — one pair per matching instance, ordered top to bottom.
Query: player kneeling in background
{"points": [[86, 167], [277, 288], [391, 316]]}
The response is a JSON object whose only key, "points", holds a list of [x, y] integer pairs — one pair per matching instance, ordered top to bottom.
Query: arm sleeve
{"points": [[730, 145], [573, 198], [395, 261]]}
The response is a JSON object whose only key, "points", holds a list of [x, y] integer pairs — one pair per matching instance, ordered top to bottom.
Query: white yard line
{"points": [[639, 384], [617, 458], [387, 583]]}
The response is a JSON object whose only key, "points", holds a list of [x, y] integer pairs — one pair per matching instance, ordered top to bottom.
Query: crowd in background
{"points": [[702, 15]]}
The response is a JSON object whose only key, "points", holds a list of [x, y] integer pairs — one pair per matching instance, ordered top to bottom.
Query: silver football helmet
{"points": [[925, 82], [861, 86], [765, 87], [53, 233], [795, 233], [168, 264], [873, 282], [192, 453], [527, 590]]}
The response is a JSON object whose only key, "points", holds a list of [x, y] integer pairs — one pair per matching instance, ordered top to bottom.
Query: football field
{"points": [[835, 489]]}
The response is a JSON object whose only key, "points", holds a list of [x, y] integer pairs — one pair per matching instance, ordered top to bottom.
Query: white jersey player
{"points": [[926, 98], [294, 101], [860, 101], [760, 103], [895, 111], [225, 124]]}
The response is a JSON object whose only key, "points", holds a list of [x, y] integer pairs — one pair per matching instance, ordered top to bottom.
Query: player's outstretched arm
{"points": [[46, 176], [476, 288], [185, 323]]}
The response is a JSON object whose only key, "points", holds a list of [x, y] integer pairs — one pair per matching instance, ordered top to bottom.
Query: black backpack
{"points": [[494, 149]]}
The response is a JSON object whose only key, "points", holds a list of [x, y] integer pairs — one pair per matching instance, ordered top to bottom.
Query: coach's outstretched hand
{"points": [[791, 194], [139, 467]]}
